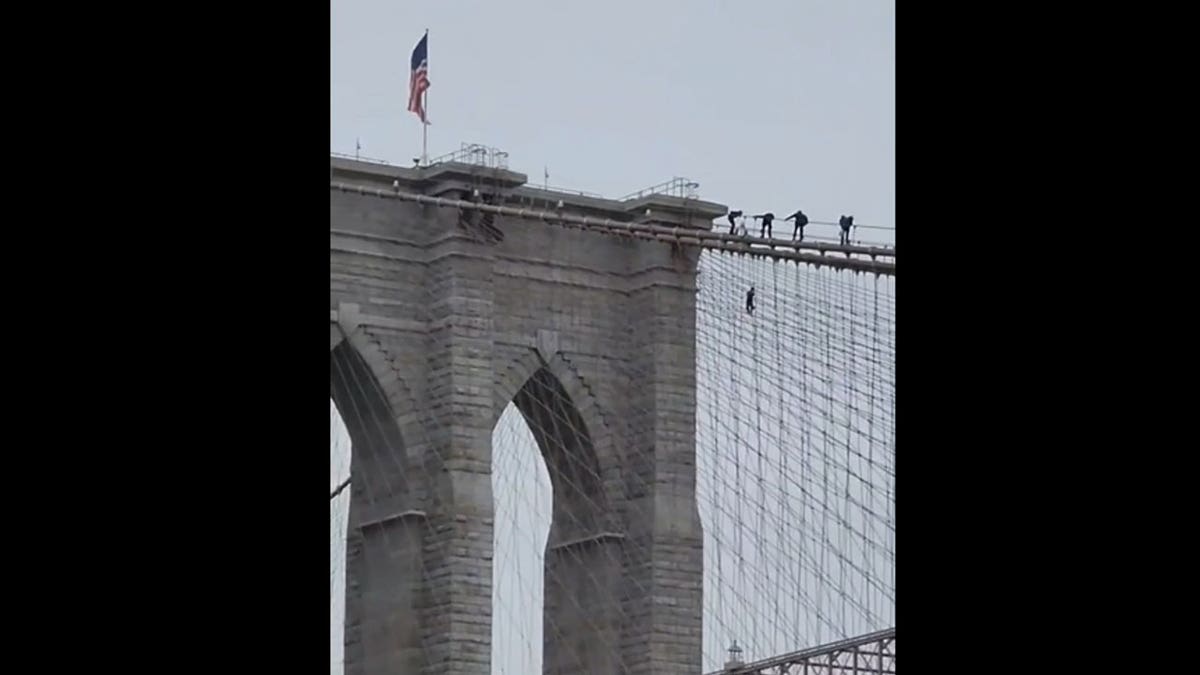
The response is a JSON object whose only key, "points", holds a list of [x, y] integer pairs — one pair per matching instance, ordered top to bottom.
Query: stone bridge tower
{"points": [[439, 319]]}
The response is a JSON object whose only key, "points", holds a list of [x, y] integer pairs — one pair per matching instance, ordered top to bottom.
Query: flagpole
{"points": [[425, 122]]}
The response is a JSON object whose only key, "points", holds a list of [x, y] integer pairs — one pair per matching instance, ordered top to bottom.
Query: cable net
{"points": [[795, 445], [796, 475], [339, 513]]}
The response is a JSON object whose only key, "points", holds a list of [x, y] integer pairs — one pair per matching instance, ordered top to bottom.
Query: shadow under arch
{"points": [[566, 447], [378, 454], [604, 455], [583, 559], [383, 563]]}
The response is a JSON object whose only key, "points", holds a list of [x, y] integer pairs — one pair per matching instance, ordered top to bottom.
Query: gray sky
{"points": [[769, 104]]}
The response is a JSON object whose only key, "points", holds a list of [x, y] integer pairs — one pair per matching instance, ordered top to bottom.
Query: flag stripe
{"points": [[418, 80]]}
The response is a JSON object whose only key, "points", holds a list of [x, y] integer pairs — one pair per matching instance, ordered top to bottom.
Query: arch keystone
{"points": [[547, 344]]}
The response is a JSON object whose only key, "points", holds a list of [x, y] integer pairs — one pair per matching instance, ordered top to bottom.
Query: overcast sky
{"points": [[769, 104]]}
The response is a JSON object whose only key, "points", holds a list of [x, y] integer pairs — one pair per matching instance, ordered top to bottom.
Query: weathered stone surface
{"points": [[593, 337]]}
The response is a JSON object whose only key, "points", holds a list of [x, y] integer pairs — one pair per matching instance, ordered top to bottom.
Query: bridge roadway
{"points": [[857, 258], [870, 654]]}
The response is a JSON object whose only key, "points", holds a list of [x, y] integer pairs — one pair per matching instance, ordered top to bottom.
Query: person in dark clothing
{"points": [[733, 215], [766, 218], [801, 221], [846, 222], [750, 300]]}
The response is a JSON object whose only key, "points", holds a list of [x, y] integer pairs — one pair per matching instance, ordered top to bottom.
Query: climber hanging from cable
{"points": [[733, 215], [766, 218], [801, 221], [846, 222], [750, 301]]}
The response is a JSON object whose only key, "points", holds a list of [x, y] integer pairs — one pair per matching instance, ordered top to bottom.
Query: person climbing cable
{"points": [[733, 215], [766, 218], [801, 221], [846, 222], [750, 301]]}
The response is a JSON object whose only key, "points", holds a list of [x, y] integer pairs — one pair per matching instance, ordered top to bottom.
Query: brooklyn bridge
{"points": [[566, 437]]}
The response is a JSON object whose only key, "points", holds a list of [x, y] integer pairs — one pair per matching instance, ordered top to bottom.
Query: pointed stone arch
{"points": [[347, 332], [510, 379], [385, 537], [584, 553]]}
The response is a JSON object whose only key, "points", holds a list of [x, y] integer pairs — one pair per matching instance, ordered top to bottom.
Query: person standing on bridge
{"points": [[733, 216], [801, 221], [846, 222], [765, 230], [750, 301]]}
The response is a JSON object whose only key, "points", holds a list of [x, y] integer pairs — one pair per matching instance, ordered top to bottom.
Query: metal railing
{"points": [[474, 154], [481, 155], [359, 158], [684, 188], [570, 191], [786, 230], [811, 253]]}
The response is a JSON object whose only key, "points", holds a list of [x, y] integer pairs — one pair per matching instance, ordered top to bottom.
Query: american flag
{"points": [[418, 81]]}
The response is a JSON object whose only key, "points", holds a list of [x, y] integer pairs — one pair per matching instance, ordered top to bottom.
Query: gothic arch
{"points": [[510, 380], [401, 405], [573, 437], [377, 449], [383, 549], [584, 550]]}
